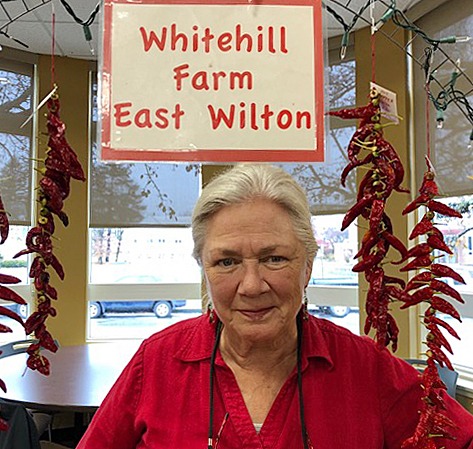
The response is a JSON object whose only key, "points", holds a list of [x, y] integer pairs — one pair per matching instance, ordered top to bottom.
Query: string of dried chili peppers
{"points": [[60, 165], [384, 173], [424, 288], [7, 294]]}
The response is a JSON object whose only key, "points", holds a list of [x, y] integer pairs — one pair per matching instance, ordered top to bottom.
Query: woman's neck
{"points": [[261, 356]]}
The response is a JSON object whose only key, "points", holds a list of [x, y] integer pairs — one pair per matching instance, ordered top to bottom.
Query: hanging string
{"points": [[373, 43], [53, 46], [373, 57], [427, 117]]}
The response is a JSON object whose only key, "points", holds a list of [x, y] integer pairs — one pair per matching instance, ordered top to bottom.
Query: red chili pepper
{"points": [[363, 112], [391, 156], [352, 165], [62, 180], [429, 186], [53, 195], [417, 202], [443, 209], [356, 210], [376, 213], [4, 224], [424, 226], [368, 241], [436, 242], [395, 243], [422, 249], [368, 262], [419, 262], [57, 266], [37, 267], [445, 271], [8, 279], [394, 280], [419, 280], [444, 288], [397, 293], [423, 294], [10, 295], [444, 306], [10, 314], [35, 320], [435, 320], [4, 329], [393, 332], [436, 337], [46, 340], [438, 355], [38, 362]]}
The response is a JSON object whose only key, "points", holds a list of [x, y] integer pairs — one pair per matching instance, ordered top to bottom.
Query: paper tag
{"points": [[388, 102]]}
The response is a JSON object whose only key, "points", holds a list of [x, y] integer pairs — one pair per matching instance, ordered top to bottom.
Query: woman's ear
{"points": [[308, 273]]}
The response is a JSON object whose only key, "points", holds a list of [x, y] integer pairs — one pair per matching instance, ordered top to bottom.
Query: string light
{"points": [[85, 23], [448, 94], [440, 119]]}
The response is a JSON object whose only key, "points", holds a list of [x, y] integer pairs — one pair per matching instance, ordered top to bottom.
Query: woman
{"points": [[258, 371]]}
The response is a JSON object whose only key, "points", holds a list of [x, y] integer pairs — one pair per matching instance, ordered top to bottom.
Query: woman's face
{"points": [[256, 269]]}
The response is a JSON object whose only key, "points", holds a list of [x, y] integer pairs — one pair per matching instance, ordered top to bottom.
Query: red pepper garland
{"points": [[61, 164], [384, 174], [423, 288], [7, 293]]}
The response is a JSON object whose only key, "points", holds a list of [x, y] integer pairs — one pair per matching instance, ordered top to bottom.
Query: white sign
{"points": [[212, 82]]}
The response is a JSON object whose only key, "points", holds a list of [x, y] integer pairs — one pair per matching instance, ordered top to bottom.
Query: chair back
{"points": [[17, 347], [448, 376], [21, 432]]}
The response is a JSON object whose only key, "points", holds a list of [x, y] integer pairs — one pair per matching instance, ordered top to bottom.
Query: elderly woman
{"points": [[258, 371]]}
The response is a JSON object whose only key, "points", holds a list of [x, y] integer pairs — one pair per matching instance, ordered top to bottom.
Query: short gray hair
{"points": [[245, 182]]}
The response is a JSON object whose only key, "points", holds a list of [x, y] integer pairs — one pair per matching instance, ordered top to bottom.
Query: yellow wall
{"points": [[390, 72], [72, 78]]}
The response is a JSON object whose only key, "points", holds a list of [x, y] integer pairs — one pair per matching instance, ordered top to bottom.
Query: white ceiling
{"points": [[29, 21]]}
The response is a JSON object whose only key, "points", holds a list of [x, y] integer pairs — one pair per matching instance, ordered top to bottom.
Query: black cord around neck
{"points": [[218, 333], [299, 381]]}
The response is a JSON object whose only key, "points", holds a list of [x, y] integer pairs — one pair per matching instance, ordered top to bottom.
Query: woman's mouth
{"points": [[257, 314]]}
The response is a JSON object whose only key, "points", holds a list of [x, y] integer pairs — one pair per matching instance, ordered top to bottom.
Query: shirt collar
{"points": [[199, 341]]}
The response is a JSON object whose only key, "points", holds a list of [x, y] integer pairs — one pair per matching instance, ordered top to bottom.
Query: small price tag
{"points": [[388, 102]]}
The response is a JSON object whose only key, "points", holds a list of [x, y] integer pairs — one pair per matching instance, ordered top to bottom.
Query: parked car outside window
{"points": [[162, 308]]}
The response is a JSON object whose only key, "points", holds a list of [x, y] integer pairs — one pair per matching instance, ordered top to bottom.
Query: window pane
{"points": [[341, 88], [16, 90], [450, 152], [130, 194], [458, 234], [142, 256], [18, 268], [333, 287], [137, 319]]}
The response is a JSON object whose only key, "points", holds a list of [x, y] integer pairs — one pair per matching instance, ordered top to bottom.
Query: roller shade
{"points": [[16, 144], [451, 155]]}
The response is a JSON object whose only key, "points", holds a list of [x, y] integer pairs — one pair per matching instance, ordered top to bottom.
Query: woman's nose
{"points": [[252, 282]]}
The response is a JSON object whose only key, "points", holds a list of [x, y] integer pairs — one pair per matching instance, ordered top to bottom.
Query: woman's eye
{"points": [[275, 259], [228, 262]]}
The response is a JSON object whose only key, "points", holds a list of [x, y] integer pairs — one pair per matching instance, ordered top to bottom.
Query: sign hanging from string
{"points": [[186, 80]]}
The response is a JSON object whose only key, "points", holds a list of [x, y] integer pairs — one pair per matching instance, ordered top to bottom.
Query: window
{"points": [[16, 152], [451, 156], [142, 274], [333, 289]]}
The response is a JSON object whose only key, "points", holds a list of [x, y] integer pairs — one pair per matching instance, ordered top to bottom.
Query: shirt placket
{"points": [[240, 420]]}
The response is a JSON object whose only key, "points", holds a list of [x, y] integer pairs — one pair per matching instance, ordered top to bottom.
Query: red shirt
{"points": [[355, 397]]}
